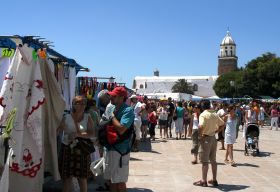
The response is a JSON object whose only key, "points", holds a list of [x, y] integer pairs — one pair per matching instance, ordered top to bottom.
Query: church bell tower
{"points": [[227, 57]]}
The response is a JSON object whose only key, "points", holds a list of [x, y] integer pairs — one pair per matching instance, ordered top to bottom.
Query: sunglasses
{"points": [[80, 103]]}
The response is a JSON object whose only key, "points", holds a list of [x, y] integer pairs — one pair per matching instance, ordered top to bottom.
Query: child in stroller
{"points": [[252, 139]]}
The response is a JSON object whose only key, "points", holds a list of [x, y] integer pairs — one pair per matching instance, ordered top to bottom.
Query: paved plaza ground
{"points": [[165, 166]]}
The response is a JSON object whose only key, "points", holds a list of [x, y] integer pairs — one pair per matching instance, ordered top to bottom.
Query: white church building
{"points": [[202, 85]]}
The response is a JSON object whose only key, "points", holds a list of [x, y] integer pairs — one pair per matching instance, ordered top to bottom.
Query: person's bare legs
{"points": [[165, 128], [160, 131], [223, 144], [227, 153], [230, 153], [194, 158], [214, 170], [204, 171], [67, 184], [83, 184], [118, 187], [122, 187]]}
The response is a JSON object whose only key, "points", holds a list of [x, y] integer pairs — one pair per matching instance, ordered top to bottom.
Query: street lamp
{"points": [[232, 84]]}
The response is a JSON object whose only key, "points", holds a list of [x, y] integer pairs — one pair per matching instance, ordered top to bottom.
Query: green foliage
{"points": [[261, 76], [182, 86]]}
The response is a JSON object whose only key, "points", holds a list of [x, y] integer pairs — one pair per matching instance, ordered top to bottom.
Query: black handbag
{"points": [[85, 145]]}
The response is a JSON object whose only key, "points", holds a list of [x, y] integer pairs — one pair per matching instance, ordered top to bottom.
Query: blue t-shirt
{"points": [[179, 112], [126, 117]]}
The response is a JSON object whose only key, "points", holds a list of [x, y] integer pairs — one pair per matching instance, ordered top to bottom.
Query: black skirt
{"points": [[73, 163]]}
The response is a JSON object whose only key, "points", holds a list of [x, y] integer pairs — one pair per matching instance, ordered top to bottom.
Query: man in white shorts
{"points": [[116, 165]]}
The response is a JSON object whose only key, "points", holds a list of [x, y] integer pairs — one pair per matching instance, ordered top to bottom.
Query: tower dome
{"points": [[228, 40]]}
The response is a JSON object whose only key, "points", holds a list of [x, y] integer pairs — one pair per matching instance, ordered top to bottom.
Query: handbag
{"points": [[84, 144]]}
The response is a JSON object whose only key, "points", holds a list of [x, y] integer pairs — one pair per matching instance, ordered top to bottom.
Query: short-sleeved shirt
{"points": [[171, 108], [137, 109], [179, 112], [274, 113], [163, 115], [126, 117], [210, 122]]}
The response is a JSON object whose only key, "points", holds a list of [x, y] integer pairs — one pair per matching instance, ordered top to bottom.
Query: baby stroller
{"points": [[252, 139]]}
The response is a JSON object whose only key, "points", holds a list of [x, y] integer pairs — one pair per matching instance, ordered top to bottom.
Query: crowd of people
{"points": [[205, 123]]}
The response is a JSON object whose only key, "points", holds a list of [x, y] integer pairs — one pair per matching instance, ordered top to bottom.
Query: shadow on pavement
{"points": [[146, 146], [241, 150], [264, 154], [135, 159], [245, 165], [228, 187], [139, 190]]}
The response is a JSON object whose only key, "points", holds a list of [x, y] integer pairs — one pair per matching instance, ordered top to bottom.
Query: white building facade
{"points": [[202, 85]]}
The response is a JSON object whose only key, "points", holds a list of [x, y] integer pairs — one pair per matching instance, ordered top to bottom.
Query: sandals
{"points": [[226, 161], [194, 162], [232, 163], [200, 183], [213, 183]]}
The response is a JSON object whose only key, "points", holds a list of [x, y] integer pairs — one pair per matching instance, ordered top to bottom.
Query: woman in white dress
{"points": [[230, 134]]}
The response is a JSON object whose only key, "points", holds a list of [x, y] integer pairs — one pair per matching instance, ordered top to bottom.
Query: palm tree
{"points": [[182, 86]]}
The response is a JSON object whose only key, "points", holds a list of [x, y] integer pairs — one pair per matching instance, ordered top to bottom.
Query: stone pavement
{"points": [[164, 166]]}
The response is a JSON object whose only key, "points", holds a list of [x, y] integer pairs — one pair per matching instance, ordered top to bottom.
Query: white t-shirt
{"points": [[137, 109], [108, 111], [221, 113], [163, 115], [195, 121]]}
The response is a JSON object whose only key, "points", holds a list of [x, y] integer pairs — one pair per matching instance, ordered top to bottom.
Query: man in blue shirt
{"points": [[122, 119]]}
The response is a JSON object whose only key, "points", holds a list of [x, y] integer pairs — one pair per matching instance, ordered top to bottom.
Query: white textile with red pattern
{"points": [[23, 89]]}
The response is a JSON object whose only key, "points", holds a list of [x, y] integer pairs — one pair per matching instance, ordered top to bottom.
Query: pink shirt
{"points": [[274, 113]]}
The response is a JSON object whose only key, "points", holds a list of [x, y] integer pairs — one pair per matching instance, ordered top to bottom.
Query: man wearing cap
{"points": [[137, 106], [122, 119]]}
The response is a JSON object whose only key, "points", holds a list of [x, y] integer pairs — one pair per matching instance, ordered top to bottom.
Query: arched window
{"points": [[226, 53], [145, 85], [141, 86]]}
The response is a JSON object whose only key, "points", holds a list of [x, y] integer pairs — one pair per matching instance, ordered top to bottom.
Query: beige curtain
{"points": [[52, 116]]}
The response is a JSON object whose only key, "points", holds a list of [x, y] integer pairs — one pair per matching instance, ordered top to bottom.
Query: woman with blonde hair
{"points": [[73, 161]]}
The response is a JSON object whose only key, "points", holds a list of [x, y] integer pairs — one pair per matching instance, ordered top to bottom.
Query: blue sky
{"points": [[126, 38]]}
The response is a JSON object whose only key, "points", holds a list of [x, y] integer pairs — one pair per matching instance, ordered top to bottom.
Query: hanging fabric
{"points": [[5, 61], [23, 90], [52, 115]]}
